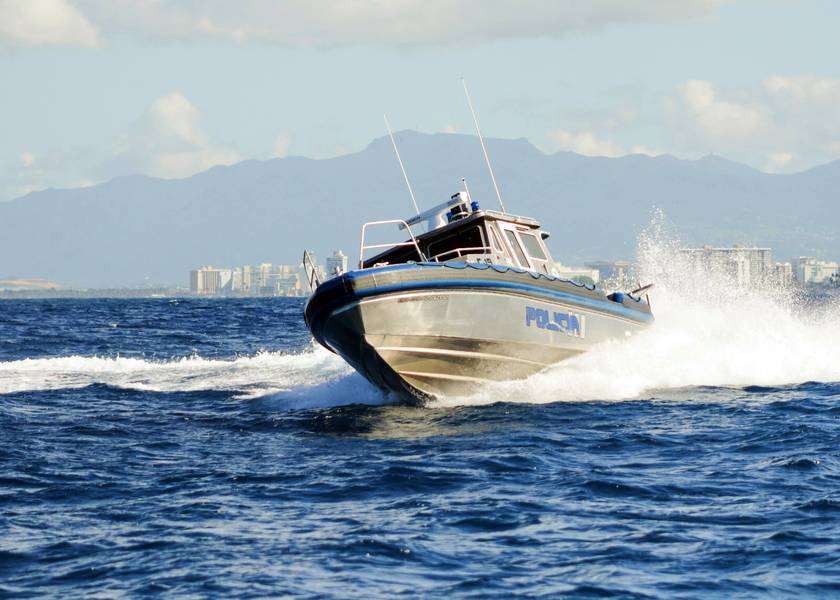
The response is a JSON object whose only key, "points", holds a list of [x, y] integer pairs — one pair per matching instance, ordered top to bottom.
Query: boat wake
{"points": [[247, 376]]}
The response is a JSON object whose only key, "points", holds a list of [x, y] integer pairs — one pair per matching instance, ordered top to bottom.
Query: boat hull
{"points": [[428, 330]]}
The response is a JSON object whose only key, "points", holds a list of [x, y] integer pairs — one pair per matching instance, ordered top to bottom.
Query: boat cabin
{"points": [[460, 230]]}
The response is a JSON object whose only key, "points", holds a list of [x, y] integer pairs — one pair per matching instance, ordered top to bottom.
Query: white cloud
{"points": [[44, 23], [327, 23], [810, 90], [718, 118], [175, 119], [784, 124], [168, 142], [584, 143], [281, 145], [641, 149], [778, 161]]}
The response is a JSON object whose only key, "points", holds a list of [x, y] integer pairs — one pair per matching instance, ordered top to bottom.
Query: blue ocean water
{"points": [[206, 448]]}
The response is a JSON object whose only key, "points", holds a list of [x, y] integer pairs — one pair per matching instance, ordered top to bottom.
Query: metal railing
{"points": [[363, 247], [461, 251], [311, 271]]}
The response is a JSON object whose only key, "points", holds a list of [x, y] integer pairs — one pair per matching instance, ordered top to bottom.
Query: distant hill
{"points": [[136, 229]]}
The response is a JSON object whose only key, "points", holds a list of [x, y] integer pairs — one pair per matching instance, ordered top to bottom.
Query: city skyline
{"points": [[744, 266]]}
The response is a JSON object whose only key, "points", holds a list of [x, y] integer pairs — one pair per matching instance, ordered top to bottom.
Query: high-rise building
{"points": [[336, 264], [744, 266], [807, 269], [783, 273], [248, 279], [267, 279], [209, 280], [236, 280]]}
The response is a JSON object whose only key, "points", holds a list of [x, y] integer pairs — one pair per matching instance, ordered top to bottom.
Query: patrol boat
{"points": [[469, 296]]}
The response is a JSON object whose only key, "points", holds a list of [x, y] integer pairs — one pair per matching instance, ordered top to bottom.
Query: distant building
{"points": [[336, 264], [744, 266], [808, 269], [612, 272], [783, 273], [579, 274], [250, 279], [267, 279], [209, 280], [264, 280], [277, 280]]}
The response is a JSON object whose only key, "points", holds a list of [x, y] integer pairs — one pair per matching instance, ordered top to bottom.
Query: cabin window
{"points": [[468, 241], [497, 244], [532, 245], [517, 249]]}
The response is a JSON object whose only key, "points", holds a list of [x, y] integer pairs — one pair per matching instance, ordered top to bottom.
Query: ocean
{"points": [[205, 448]]}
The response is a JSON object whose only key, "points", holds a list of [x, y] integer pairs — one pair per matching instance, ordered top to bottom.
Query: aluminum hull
{"points": [[425, 330]]}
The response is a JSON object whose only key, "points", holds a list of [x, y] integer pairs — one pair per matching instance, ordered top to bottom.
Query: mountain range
{"points": [[137, 229]]}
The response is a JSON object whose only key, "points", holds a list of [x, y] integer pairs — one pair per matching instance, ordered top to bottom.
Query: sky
{"points": [[95, 89]]}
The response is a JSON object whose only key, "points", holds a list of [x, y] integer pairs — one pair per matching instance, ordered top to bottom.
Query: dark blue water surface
{"points": [[174, 464]]}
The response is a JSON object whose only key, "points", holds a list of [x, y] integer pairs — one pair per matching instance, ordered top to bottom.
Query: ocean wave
{"points": [[246, 376]]}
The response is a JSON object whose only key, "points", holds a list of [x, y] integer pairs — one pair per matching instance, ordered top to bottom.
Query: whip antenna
{"points": [[483, 147], [402, 168]]}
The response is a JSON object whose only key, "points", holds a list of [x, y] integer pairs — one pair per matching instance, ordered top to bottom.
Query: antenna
{"points": [[483, 147], [402, 168]]}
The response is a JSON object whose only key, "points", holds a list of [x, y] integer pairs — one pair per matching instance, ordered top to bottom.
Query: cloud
{"points": [[25, 23], [401, 23], [810, 90], [717, 118], [783, 124], [168, 142], [584, 143], [588, 144], [281, 145], [778, 161]]}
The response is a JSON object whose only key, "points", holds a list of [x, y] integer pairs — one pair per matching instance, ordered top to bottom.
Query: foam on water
{"points": [[247, 376]]}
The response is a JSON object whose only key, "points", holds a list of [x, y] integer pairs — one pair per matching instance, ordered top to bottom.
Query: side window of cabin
{"points": [[497, 244], [532, 245], [517, 249], [535, 251]]}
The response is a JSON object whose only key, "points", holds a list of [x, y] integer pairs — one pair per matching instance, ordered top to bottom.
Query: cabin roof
{"points": [[479, 215]]}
